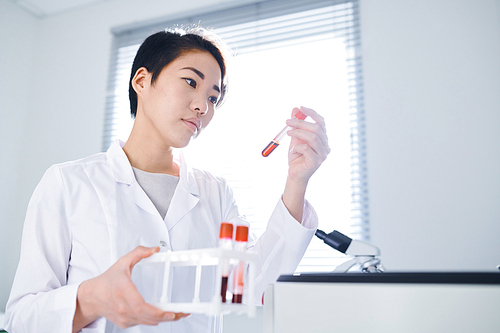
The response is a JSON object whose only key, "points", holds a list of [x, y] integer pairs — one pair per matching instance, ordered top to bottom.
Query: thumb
{"points": [[139, 253]]}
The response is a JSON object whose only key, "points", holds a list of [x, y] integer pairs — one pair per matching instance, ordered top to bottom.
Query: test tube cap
{"points": [[300, 115], [226, 230], [241, 233]]}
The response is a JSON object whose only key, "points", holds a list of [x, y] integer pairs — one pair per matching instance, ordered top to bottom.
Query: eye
{"points": [[191, 82], [213, 100]]}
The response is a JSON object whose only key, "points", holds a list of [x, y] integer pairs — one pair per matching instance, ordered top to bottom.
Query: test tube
{"points": [[276, 141], [226, 243], [240, 244]]}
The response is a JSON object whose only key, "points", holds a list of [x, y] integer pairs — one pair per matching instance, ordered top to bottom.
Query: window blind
{"points": [[256, 27]]}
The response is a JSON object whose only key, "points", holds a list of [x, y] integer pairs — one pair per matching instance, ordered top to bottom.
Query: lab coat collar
{"points": [[120, 164], [123, 172], [187, 178], [185, 197]]}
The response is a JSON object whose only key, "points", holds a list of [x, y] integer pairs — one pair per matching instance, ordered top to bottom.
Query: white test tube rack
{"points": [[200, 258]]}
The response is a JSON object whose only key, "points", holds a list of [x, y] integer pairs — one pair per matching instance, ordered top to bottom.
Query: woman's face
{"points": [[182, 100]]}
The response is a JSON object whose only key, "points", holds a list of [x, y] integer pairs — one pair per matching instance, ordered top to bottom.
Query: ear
{"points": [[141, 80]]}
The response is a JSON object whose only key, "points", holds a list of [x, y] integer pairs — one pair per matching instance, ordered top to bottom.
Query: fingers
{"points": [[318, 119], [309, 132], [313, 134], [312, 139], [309, 145], [137, 254], [114, 295], [133, 310], [146, 314], [150, 315], [180, 315]]}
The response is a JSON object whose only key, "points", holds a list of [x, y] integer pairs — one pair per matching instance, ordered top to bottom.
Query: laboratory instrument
{"points": [[276, 141], [364, 255]]}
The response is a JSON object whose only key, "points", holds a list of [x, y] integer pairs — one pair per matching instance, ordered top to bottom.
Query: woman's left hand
{"points": [[308, 147]]}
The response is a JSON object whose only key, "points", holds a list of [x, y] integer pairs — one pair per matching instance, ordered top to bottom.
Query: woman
{"points": [[90, 221]]}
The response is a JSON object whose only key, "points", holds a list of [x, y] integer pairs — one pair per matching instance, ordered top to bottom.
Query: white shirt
{"points": [[84, 215]]}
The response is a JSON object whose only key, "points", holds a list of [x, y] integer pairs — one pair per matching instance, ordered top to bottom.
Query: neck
{"points": [[149, 155]]}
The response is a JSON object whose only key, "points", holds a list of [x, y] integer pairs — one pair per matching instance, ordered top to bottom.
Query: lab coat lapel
{"points": [[123, 173], [137, 194], [186, 196]]}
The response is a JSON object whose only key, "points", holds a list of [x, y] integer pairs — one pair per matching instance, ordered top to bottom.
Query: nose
{"points": [[200, 106]]}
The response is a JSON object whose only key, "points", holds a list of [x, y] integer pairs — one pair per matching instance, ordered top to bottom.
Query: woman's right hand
{"points": [[113, 295]]}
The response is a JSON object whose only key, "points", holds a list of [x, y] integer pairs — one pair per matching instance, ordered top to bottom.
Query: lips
{"points": [[192, 123]]}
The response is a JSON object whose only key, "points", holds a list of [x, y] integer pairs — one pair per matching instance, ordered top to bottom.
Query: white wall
{"points": [[17, 36], [431, 72], [432, 91]]}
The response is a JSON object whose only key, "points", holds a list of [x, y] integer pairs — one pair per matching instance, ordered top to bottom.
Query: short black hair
{"points": [[163, 47]]}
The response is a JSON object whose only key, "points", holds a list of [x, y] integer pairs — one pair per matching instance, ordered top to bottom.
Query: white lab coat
{"points": [[84, 215]]}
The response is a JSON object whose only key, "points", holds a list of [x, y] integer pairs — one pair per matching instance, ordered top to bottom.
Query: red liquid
{"points": [[269, 149], [223, 289], [237, 298]]}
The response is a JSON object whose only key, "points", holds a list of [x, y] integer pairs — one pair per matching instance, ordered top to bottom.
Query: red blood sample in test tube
{"points": [[276, 141], [225, 242], [240, 244]]}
